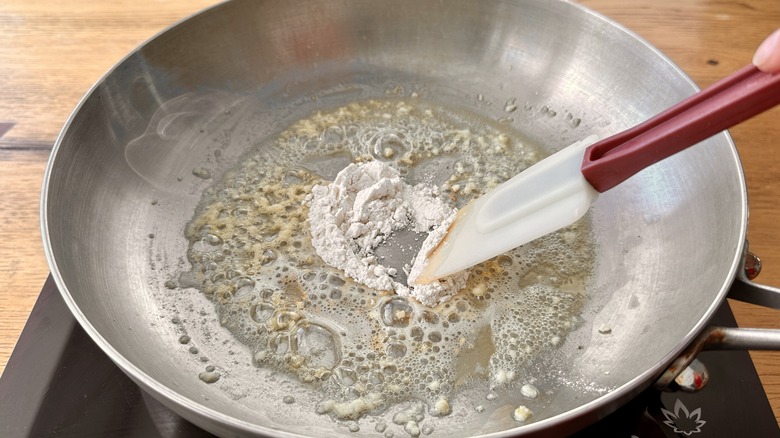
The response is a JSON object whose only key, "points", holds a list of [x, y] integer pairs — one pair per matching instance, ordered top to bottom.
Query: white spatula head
{"points": [[546, 197]]}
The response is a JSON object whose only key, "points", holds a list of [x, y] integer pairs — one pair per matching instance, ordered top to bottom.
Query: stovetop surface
{"points": [[58, 383]]}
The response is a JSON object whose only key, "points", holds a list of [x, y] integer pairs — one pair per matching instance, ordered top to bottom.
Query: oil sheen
{"points": [[368, 350]]}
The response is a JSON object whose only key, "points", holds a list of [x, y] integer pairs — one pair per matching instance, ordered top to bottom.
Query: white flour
{"points": [[352, 216]]}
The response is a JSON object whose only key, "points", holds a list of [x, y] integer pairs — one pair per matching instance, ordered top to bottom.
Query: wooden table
{"points": [[51, 52]]}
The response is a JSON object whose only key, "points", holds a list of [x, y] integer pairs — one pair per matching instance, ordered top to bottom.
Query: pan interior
{"points": [[133, 162]]}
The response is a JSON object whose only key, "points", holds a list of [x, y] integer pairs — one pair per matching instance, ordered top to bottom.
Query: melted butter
{"points": [[368, 350]]}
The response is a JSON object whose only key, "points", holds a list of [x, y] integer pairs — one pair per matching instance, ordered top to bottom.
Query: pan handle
{"points": [[688, 374]]}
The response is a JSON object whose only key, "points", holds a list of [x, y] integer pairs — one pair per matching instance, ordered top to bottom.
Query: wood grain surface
{"points": [[51, 52]]}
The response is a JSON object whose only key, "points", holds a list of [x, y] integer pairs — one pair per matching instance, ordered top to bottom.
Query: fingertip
{"points": [[767, 56]]}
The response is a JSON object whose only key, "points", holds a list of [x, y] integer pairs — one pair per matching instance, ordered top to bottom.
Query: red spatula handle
{"points": [[726, 103]]}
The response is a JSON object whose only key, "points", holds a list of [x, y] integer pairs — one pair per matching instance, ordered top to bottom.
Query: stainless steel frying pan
{"points": [[120, 185]]}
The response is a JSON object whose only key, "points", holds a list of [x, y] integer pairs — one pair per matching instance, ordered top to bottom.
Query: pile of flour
{"points": [[367, 202]]}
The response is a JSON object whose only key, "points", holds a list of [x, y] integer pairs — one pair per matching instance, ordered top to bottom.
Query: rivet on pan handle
{"points": [[727, 338]]}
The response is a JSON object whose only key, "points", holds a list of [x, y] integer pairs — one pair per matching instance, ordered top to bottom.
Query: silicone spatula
{"points": [[558, 190]]}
